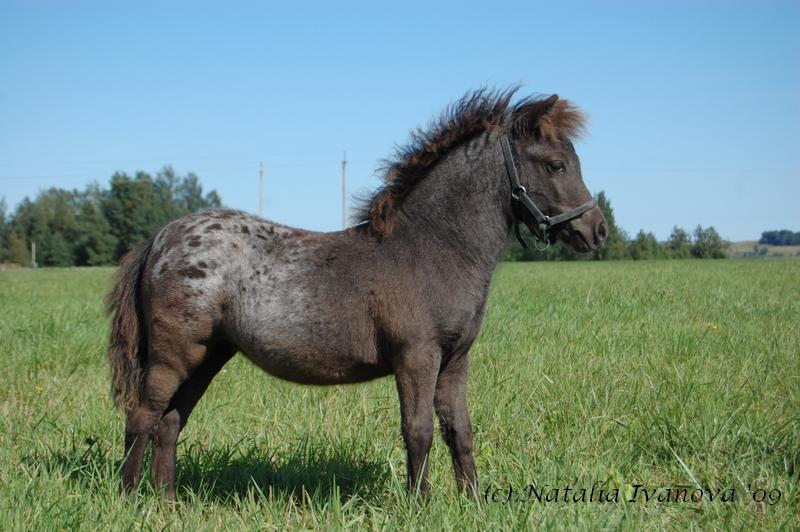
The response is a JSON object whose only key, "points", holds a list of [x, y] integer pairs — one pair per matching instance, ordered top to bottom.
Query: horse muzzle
{"points": [[586, 233]]}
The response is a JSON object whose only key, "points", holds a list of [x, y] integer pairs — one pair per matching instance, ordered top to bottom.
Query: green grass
{"points": [[665, 374]]}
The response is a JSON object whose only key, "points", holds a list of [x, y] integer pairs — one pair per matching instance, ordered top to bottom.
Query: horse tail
{"points": [[127, 348]]}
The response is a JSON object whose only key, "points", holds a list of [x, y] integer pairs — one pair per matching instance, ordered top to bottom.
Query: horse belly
{"points": [[290, 329], [311, 351], [305, 367]]}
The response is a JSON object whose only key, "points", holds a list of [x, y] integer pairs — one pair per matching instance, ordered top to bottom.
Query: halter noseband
{"points": [[520, 195]]}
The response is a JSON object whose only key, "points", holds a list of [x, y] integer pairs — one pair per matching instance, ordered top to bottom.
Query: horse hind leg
{"points": [[170, 364], [161, 382], [177, 414]]}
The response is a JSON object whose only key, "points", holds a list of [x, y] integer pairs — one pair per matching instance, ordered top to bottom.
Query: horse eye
{"points": [[556, 166]]}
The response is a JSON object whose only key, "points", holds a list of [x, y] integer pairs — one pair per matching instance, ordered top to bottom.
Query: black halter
{"points": [[519, 194]]}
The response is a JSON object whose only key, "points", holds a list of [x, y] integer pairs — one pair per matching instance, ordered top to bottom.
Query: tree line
{"points": [[96, 226], [783, 237], [702, 243]]}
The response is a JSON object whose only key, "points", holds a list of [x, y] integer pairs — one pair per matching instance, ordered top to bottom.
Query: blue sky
{"points": [[693, 106]]}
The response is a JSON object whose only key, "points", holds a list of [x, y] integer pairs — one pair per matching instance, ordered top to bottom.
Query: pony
{"points": [[403, 292]]}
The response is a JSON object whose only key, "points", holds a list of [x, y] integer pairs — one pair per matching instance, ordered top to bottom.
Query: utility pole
{"points": [[261, 188], [344, 190], [33, 255]]}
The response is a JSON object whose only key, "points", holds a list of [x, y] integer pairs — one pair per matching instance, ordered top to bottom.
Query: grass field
{"points": [[750, 248], [661, 374]]}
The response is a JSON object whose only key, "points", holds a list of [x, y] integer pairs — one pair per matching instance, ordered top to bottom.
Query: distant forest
{"points": [[98, 225], [784, 237]]}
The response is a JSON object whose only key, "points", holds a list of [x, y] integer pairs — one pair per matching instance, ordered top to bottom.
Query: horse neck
{"points": [[462, 207]]}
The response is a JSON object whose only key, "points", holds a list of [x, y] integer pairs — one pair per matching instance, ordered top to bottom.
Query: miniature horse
{"points": [[403, 292]]}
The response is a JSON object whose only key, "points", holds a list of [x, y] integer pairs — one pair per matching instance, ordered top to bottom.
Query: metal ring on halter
{"points": [[544, 239]]}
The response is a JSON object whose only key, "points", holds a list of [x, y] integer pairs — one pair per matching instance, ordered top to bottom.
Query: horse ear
{"points": [[549, 102], [526, 119]]}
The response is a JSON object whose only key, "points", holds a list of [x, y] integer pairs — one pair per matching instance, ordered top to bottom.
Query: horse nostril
{"points": [[602, 232]]}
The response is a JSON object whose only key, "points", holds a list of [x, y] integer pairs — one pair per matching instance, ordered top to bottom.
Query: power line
{"points": [[137, 160], [214, 170]]}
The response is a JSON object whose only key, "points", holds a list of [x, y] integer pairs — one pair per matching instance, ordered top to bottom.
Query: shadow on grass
{"points": [[222, 474], [229, 474]]}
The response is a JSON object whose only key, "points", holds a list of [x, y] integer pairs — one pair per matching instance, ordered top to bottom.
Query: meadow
{"points": [[749, 248], [628, 376]]}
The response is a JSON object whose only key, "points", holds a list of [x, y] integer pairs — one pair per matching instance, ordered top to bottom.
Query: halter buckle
{"points": [[518, 191]]}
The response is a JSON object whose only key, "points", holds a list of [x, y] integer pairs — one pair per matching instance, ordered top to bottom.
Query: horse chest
{"points": [[459, 325]]}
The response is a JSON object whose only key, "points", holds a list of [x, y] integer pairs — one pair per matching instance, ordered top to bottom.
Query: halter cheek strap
{"points": [[520, 195]]}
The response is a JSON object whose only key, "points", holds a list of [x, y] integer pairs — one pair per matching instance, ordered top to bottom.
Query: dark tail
{"points": [[127, 351]]}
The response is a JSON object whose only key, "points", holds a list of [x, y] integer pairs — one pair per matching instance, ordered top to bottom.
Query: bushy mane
{"points": [[556, 121]]}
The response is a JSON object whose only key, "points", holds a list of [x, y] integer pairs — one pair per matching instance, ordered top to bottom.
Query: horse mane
{"points": [[483, 110]]}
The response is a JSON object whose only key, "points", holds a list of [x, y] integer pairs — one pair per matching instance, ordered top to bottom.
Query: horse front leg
{"points": [[415, 373], [450, 401]]}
